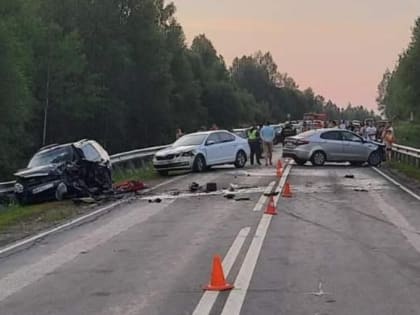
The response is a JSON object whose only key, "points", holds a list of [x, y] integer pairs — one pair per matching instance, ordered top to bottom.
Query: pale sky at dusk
{"points": [[340, 48]]}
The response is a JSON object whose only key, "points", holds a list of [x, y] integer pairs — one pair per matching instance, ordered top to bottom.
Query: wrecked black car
{"points": [[77, 169]]}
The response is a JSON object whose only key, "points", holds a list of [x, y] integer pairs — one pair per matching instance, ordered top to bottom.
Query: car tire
{"points": [[318, 158], [375, 158], [241, 159], [300, 162], [199, 164], [163, 173], [60, 191]]}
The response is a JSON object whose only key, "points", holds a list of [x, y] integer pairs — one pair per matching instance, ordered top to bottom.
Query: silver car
{"points": [[333, 145], [201, 150]]}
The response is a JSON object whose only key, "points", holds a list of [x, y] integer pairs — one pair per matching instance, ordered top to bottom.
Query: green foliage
{"points": [[120, 72], [398, 92], [408, 133]]}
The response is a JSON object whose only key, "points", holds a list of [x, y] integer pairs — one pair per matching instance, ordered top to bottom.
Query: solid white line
{"points": [[282, 181], [397, 184], [264, 198], [78, 220], [237, 296], [209, 297]]}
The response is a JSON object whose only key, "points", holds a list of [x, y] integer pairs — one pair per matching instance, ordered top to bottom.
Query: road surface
{"points": [[339, 246]]}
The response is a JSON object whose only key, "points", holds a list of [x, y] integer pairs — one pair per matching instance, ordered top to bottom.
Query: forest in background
{"points": [[121, 72]]}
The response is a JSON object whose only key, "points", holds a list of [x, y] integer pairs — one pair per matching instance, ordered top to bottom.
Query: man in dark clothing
{"points": [[254, 144]]}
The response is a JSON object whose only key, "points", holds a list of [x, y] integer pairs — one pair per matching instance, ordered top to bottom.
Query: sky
{"points": [[339, 48]]}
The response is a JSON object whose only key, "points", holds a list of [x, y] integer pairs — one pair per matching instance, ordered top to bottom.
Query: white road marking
{"points": [[397, 184], [264, 198], [79, 220], [399, 221], [28, 274], [237, 296], [209, 297]]}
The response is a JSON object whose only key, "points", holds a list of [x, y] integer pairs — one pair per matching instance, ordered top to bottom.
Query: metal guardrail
{"points": [[406, 154], [116, 159]]}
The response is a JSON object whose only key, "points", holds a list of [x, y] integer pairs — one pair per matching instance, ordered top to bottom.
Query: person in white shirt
{"points": [[371, 132]]}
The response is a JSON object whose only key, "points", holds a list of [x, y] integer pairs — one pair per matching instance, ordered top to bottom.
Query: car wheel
{"points": [[318, 158], [375, 158], [240, 159], [300, 162], [199, 164], [163, 173], [61, 191]]}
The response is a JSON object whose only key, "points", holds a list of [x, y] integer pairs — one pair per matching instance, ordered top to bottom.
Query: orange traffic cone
{"points": [[279, 164], [279, 172], [287, 192], [271, 208], [217, 281]]}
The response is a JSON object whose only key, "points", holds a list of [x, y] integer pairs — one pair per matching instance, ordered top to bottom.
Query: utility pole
{"points": [[47, 92]]}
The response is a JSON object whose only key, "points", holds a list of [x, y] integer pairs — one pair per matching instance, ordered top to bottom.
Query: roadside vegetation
{"points": [[121, 72], [408, 133], [408, 170], [142, 174]]}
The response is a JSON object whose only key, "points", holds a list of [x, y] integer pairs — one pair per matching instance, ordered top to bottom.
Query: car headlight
{"points": [[188, 154], [19, 188]]}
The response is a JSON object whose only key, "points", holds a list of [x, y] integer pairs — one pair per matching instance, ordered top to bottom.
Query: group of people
{"points": [[370, 131], [261, 136]]}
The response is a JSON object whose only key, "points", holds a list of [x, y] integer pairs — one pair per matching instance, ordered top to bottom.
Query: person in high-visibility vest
{"points": [[254, 144]]}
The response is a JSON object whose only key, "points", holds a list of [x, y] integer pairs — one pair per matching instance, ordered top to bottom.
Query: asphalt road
{"points": [[330, 250]]}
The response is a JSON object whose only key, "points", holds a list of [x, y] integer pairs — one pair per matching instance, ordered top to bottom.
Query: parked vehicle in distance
{"points": [[277, 129], [287, 131], [241, 132], [333, 145], [201, 150], [57, 171]]}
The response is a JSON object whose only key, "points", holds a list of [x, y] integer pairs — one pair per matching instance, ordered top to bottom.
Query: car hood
{"points": [[176, 150], [43, 170]]}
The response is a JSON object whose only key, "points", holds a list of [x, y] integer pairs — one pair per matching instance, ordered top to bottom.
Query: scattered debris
{"points": [[349, 176], [129, 186], [194, 187], [211, 187], [361, 190], [271, 193], [229, 196], [243, 199], [89, 200], [156, 200], [320, 292], [330, 301]]}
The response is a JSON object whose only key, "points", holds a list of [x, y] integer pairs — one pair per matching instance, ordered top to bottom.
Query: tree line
{"points": [[120, 72], [399, 90]]}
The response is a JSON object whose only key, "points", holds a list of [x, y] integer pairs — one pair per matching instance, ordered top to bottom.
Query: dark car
{"points": [[287, 131], [81, 168]]}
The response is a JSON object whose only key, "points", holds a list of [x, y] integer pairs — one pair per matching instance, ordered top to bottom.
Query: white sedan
{"points": [[201, 150]]}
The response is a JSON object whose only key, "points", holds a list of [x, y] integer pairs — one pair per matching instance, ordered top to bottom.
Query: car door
{"points": [[332, 144], [228, 147], [354, 147], [213, 149]]}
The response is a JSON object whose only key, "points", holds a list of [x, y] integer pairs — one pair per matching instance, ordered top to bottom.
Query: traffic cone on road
{"points": [[279, 164], [279, 172], [287, 192], [271, 207], [218, 281]]}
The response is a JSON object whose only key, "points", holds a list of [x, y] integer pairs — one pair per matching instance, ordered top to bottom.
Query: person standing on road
{"points": [[371, 131], [267, 135], [389, 140], [254, 144]]}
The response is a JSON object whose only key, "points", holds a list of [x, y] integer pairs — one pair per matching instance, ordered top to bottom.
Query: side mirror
{"points": [[210, 142]]}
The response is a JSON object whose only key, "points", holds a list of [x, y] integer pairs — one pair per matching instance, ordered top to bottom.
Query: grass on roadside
{"points": [[407, 133], [408, 170], [142, 174], [49, 212], [17, 217]]}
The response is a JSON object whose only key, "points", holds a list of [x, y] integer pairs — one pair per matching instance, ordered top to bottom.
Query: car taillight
{"points": [[301, 142]]}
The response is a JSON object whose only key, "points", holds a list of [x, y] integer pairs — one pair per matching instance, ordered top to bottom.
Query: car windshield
{"points": [[188, 140], [53, 156]]}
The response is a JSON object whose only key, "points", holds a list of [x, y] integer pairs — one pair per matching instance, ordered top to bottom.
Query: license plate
{"points": [[42, 188]]}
